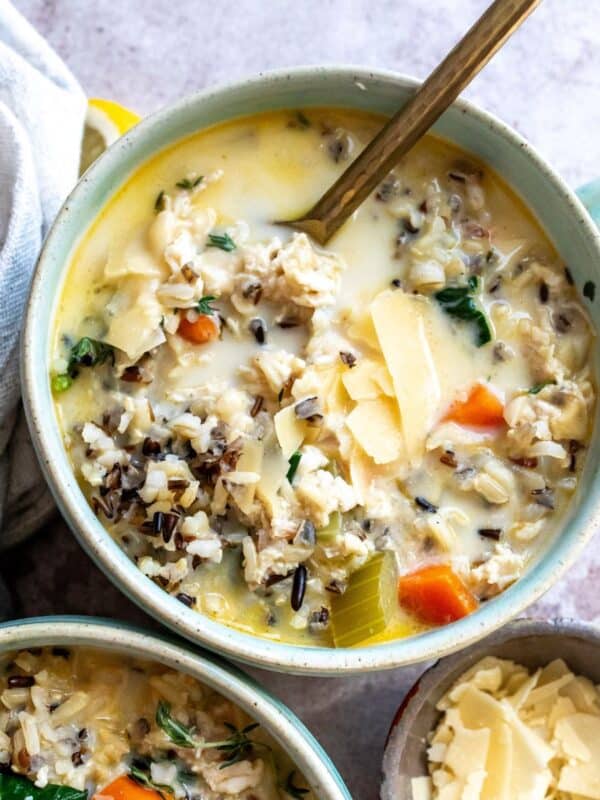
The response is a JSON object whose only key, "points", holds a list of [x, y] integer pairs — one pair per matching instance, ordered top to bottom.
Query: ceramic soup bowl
{"points": [[558, 209], [529, 642], [303, 749]]}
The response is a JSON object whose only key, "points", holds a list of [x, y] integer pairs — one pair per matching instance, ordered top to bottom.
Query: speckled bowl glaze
{"points": [[558, 209], [529, 642], [304, 750]]}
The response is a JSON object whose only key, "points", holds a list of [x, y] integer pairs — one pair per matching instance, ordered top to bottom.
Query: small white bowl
{"points": [[532, 643]]}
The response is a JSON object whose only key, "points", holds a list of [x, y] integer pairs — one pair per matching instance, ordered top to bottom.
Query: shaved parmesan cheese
{"points": [[132, 259], [135, 318], [401, 323], [362, 330], [383, 379], [360, 381], [335, 396], [376, 427], [290, 430], [249, 464], [274, 469], [361, 472], [549, 689], [521, 695], [584, 695], [563, 707], [577, 733], [507, 734], [580, 736], [468, 751], [581, 781], [498, 784], [473, 785], [421, 788], [451, 791]]}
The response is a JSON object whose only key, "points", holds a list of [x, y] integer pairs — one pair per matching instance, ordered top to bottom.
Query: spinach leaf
{"points": [[457, 301], [86, 353], [294, 461], [15, 787]]}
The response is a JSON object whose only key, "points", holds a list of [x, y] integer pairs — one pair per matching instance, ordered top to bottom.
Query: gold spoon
{"points": [[407, 126]]}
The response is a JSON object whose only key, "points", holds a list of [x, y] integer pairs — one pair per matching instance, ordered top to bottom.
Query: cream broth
{"points": [[419, 388], [104, 725]]}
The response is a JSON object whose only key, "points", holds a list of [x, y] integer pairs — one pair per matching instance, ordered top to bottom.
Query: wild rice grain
{"points": [[259, 329], [349, 359], [256, 406], [150, 447], [426, 505], [490, 533], [298, 588], [186, 599], [20, 681]]}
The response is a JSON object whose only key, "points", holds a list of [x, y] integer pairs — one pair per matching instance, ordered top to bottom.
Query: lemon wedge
{"points": [[105, 121]]}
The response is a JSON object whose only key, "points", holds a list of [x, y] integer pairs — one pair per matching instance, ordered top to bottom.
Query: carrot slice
{"points": [[199, 331], [481, 409], [435, 594], [124, 788]]}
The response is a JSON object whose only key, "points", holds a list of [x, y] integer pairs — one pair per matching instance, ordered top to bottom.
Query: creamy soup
{"points": [[331, 445], [78, 724]]}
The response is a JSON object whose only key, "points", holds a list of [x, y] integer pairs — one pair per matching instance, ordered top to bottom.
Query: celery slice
{"points": [[327, 534], [364, 608]]}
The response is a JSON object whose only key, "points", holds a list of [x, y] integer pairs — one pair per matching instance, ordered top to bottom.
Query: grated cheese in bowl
{"points": [[507, 733]]}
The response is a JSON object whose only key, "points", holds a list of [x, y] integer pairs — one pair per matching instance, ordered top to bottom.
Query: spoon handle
{"points": [[398, 135]]}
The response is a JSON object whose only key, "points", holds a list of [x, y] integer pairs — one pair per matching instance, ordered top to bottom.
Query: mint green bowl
{"points": [[560, 212], [105, 634]]}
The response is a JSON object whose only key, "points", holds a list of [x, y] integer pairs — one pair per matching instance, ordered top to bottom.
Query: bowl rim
{"points": [[125, 575], [228, 679], [419, 693]]}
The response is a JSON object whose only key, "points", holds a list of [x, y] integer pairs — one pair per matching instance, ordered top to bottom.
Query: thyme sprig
{"points": [[189, 183], [160, 202], [221, 240], [204, 305], [537, 388], [177, 732], [237, 747], [137, 774]]}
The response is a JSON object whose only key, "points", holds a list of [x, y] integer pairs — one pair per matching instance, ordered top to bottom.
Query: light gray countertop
{"points": [[144, 53]]}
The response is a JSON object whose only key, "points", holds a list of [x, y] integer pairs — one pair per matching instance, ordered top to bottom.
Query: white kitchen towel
{"points": [[42, 110]]}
